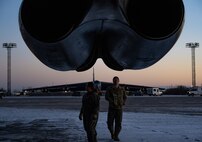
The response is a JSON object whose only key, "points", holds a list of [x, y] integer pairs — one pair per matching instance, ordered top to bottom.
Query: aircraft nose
{"points": [[126, 34]]}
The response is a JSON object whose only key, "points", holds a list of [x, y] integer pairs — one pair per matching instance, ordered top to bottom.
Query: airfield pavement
{"points": [[145, 119]]}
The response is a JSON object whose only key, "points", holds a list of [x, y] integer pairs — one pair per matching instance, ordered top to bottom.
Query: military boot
{"points": [[116, 138]]}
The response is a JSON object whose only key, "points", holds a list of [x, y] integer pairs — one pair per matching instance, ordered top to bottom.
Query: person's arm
{"points": [[108, 96], [124, 96], [97, 101], [96, 105], [81, 111], [81, 114]]}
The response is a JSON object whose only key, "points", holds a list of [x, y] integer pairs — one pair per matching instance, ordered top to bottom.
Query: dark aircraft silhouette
{"points": [[126, 34]]}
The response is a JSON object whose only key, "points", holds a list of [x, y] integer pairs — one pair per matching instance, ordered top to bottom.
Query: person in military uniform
{"points": [[116, 96], [89, 112]]}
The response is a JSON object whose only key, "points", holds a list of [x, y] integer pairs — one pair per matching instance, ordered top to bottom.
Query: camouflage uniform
{"points": [[116, 98], [90, 111]]}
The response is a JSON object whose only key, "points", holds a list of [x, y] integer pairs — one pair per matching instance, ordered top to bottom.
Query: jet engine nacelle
{"points": [[126, 34]]}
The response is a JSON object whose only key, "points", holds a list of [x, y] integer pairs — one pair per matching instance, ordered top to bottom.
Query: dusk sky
{"points": [[172, 70]]}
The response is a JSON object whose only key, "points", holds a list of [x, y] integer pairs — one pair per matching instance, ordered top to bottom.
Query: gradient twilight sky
{"points": [[173, 69]]}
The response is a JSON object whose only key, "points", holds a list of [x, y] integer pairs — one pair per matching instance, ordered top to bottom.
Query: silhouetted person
{"points": [[116, 96], [90, 111]]}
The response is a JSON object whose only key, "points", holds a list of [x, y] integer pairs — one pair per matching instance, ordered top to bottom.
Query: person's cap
{"points": [[116, 77], [90, 84]]}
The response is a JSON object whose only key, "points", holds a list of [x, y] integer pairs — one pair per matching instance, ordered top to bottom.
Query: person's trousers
{"points": [[114, 115], [90, 128]]}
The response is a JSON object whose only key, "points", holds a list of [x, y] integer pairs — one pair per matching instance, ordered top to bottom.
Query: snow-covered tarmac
{"points": [[60, 125]]}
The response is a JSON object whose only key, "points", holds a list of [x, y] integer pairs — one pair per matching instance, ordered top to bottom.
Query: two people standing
{"points": [[116, 97]]}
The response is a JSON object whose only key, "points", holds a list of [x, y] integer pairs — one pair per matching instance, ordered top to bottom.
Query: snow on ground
{"points": [[63, 125]]}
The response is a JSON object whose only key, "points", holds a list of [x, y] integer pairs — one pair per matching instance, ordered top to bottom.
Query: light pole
{"points": [[9, 46], [193, 46], [93, 74]]}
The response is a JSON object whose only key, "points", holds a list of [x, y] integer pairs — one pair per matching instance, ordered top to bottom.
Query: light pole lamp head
{"points": [[9, 45], [192, 45]]}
